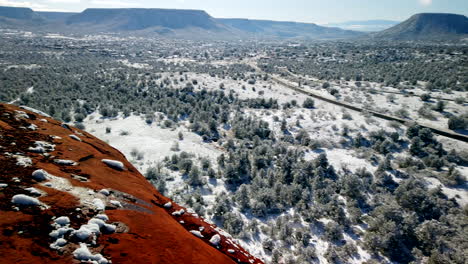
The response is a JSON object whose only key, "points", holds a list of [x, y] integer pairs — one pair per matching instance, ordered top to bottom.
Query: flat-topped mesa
{"points": [[141, 18], [95, 207]]}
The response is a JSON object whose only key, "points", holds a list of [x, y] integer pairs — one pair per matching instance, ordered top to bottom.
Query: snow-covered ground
{"points": [[151, 141], [145, 145]]}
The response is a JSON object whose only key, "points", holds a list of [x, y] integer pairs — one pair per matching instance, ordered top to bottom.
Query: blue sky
{"points": [[316, 11]]}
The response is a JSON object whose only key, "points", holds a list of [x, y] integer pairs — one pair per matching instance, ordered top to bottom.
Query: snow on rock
{"points": [[33, 110], [21, 114], [32, 127], [75, 137], [42, 147], [23, 161], [65, 162], [114, 164], [40, 175], [3, 185], [33, 191], [104, 192], [22, 199], [115, 203], [99, 204], [168, 205], [178, 213], [103, 217], [62, 221], [97, 221], [110, 228], [60, 232], [85, 232], [196, 233], [215, 240], [59, 243], [231, 251], [83, 254]]}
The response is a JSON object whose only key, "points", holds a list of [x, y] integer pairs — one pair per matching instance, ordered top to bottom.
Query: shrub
{"points": [[425, 97], [308, 103], [440, 106], [457, 122]]}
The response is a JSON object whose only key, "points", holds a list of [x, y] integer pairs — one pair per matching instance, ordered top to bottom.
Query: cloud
{"points": [[425, 2], [15, 3], [32, 5]]}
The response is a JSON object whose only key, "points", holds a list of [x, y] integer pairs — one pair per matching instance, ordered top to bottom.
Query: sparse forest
{"points": [[272, 185]]}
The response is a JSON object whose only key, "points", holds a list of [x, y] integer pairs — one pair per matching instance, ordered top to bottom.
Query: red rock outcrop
{"points": [[57, 195]]}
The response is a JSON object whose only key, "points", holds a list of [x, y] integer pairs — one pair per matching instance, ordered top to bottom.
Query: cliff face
{"points": [[67, 196]]}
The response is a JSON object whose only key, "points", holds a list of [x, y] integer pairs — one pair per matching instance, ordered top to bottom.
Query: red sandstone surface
{"points": [[146, 231]]}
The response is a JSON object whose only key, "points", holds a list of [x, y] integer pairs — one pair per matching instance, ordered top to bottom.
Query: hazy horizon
{"points": [[312, 11]]}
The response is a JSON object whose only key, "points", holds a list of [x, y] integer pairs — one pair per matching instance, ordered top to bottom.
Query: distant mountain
{"points": [[20, 13], [19, 16], [56, 16], [143, 19], [170, 22], [365, 25], [428, 26], [267, 28]]}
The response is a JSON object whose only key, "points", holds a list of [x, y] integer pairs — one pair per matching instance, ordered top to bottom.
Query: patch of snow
{"points": [[34, 111], [21, 114], [32, 127], [75, 137], [144, 137], [42, 147], [341, 159], [22, 160], [65, 162], [114, 164], [40, 175], [3, 185], [33, 191], [104, 192], [460, 194], [22, 199], [115, 203], [99, 204], [168, 205], [178, 213], [103, 217], [62, 221], [97, 221], [109, 228], [60, 232], [85, 232], [196, 233], [215, 240], [59, 243], [83, 254]]}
